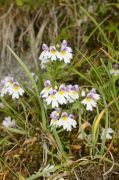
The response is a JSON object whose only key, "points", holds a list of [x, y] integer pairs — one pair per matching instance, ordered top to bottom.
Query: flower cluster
{"points": [[53, 53], [9, 86], [63, 94], [59, 95], [91, 100], [64, 120], [8, 122]]}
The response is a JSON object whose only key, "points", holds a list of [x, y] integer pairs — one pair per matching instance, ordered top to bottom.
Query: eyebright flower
{"points": [[45, 52], [65, 52], [53, 53], [44, 55], [115, 70], [7, 80], [6, 83], [69, 89], [15, 90], [4, 91], [46, 91], [73, 93], [93, 94], [62, 95], [52, 99], [90, 100], [55, 114], [54, 117], [67, 121], [8, 122], [54, 122], [108, 132]]}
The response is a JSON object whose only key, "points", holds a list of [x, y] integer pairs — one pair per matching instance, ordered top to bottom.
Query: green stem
{"points": [[58, 142]]}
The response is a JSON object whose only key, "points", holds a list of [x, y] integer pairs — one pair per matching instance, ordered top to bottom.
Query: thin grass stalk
{"points": [[98, 26], [82, 76], [43, 114], [97, 122], [106, 126], [58, 141], [94, 141], [10, 169]]}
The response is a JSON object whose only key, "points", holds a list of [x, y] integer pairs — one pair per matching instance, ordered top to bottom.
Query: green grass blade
{"points": [[28, 73]]}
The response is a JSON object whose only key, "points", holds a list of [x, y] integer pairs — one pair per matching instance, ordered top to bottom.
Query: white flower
{"points": [[45, 52], [65, 52], [53, 53], [44, 55], [114, 72], [7, 80], [6, 83], [15, 90], [69, 90], [4, 91], [46, 91], [73, 93], [93, 94], [62, 95], [52, 99], [90, 100], [90, 103], [55, 114], [54, 117], [7, 122], [54, 122], [67, 122], [108, 132]]}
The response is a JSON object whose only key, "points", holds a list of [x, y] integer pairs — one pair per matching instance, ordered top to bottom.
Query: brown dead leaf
{"points": [[30, 141]]}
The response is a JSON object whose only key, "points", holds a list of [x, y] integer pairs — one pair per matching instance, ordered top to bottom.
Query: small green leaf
{"points": [[16, 131]]}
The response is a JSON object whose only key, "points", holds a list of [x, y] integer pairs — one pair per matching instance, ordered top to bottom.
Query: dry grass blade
{"points": [[97, 121]]}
